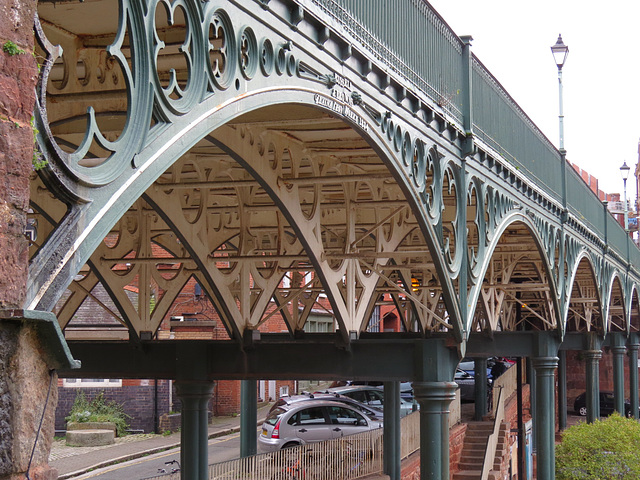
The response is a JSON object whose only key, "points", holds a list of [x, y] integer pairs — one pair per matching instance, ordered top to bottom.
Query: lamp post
{"points": [[560, 52], [624, 170]]}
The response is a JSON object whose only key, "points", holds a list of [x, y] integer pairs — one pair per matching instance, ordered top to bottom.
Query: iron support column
{"points": [[618, 350], [632, 352], [592, 357], [531, 378], [480, 388], [562, 390], [194, 395], [434, 399], [545, 416], [248, 417], [391, 436]]}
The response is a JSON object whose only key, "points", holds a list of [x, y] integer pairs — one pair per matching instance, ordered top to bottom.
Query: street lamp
{"points": [[560, 52], [624, 170]]}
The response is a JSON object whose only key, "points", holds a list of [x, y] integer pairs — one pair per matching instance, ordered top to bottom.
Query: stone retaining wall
{"points": [[24, 377]]}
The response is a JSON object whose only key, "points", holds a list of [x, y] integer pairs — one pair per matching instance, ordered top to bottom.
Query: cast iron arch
{"points": [[512, 218]]}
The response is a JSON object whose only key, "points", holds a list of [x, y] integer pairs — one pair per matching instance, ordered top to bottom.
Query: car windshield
{"points": [[376, 397], [272, 418]]}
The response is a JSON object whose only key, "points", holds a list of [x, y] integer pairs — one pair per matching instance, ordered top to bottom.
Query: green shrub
{"points": [[98, 410], [605, 449]]}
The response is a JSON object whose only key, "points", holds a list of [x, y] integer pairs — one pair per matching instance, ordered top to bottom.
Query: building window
{"points": [[374, 322], [319, 324], [91, 382]]}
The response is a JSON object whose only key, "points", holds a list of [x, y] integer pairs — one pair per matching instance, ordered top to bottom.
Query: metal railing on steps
{"points": [[492, 441]]}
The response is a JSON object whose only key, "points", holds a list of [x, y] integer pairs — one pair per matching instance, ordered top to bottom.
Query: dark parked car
{"points": [[496, 366], [466, 382], [406, 388], [371, 396], [606, 404]]}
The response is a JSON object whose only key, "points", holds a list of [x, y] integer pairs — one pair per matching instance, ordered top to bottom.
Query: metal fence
{"points": [[410, 434], [343, 458]]}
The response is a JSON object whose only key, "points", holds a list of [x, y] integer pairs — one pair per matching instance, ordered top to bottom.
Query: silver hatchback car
{"points": [[311, 421]]}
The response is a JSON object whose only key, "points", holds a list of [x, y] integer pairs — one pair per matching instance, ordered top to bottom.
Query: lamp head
{"points": [[560, 52], [624, 170]]}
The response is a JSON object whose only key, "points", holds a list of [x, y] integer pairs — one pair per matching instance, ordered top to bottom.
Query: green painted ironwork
{"points": [[412, 39], [406, 101]]}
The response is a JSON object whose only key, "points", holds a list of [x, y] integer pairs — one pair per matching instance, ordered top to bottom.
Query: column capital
{"points": [[618, 349], [592, 354], [542, 363], [194, 388], [435, 390], [435, 396]]}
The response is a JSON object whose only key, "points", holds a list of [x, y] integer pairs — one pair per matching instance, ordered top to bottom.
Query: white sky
{"points": [[601, 96]]}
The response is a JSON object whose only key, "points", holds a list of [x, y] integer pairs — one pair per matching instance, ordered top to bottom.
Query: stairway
{"points": [[475, 444]]}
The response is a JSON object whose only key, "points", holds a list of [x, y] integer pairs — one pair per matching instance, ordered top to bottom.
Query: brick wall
{"points": [[576, 374], [137, 398], [226, 398]]}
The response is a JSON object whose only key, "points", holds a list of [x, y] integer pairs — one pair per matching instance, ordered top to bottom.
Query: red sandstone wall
{"points": [[18, 75]]}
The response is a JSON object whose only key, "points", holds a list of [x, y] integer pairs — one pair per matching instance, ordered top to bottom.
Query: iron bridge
{"points": [[292, 156]]}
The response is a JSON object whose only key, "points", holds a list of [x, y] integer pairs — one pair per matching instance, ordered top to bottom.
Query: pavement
{"points": [[75, 461]]}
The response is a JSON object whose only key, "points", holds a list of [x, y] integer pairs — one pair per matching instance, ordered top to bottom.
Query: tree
{"points": [[605, 449]]}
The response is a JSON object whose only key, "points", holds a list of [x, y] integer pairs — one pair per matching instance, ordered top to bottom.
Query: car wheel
{"points": [[583, 411], [290, 445]]}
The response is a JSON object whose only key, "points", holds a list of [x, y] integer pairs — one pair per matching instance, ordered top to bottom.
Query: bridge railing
{"points": [[413, 42], [417, 45], [501, 124], [583, 204]]}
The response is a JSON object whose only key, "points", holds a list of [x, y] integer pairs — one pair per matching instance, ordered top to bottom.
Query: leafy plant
{"points": [[11, 49], [38, 161], [99, 410], [604, 449]]}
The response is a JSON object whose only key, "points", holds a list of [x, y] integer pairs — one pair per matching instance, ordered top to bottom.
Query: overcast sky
{"points": [[601, 92]]}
